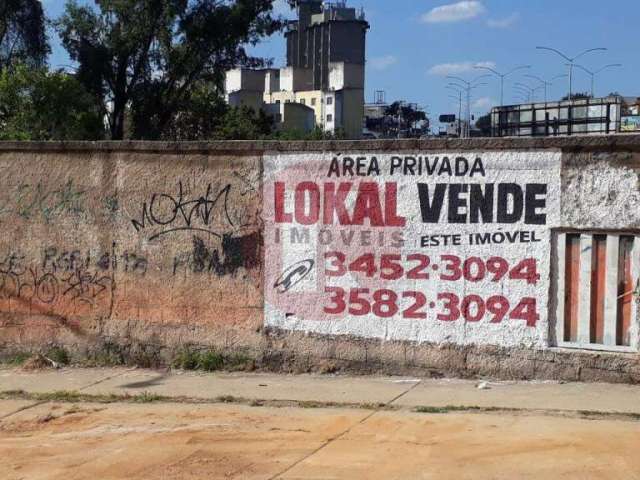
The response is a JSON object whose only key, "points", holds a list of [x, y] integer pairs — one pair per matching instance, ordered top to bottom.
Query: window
{"points": [[329, 100], [288, 101], [303, 101], [277, 102], [313, 102], [329, 118], [596, 280]]}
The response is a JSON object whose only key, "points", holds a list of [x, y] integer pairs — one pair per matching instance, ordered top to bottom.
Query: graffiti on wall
{"points": [[41, 202], [209, 211], [222, 233], [437, 248], [232, 254], [65, 276]]}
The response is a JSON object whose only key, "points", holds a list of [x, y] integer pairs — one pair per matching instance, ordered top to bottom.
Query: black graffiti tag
{"points": [[176, 212]]}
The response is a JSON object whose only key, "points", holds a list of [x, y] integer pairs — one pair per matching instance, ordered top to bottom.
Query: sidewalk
{"points": [[371, 392], [143, 424]]}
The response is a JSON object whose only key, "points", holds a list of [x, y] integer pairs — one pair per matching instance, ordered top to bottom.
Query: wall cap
{"points": [[573, 143]]}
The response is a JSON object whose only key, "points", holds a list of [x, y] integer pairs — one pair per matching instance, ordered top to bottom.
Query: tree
{"points": [[22, 33], [148, 56], [39, 105], [408, 113], [400, 116], [243, 123], [484, 125]]}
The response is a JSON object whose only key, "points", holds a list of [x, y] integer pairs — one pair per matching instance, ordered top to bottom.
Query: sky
{"points": [[414, 44]]}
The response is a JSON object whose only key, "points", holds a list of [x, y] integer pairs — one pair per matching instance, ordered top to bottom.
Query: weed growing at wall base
{"points": [[58, 355], [189, 358], [15, 359]]}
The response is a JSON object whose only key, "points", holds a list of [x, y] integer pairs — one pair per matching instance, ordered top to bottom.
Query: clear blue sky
{"points": [[412, 44]]}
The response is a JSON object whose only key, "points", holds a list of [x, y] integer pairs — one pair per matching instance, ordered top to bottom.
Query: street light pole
{"points": [[572, 62], [593, 74], [502, 76], [545, 83], [468, 86], [530, 90], [526, 93], [459, 98]]}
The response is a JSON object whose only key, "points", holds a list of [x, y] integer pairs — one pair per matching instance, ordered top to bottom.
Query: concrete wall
{"points": [[138, 246], [144, 248]]}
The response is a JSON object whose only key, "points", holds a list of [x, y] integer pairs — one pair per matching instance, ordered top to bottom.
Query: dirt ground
{"points": [[189, 441]]}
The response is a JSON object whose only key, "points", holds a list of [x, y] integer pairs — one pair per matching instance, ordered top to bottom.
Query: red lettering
{"points": [[335, 203], [368, 205], [391, 206], [281, 215], [312, 217]]}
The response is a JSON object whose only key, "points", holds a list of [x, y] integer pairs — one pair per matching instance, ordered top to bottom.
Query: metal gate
{"points": [[596, 279]]}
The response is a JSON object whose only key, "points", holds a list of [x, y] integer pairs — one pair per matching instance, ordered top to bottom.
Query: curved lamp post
{"points": [[571, 61], [593, 74], [502, 76], [468, 86]]}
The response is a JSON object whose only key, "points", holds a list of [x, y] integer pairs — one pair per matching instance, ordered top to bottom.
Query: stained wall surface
{"points": [[129, 245], [154, 245]]}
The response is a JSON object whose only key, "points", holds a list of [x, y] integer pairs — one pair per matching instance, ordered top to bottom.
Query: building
{"points": [[324, 72], [589, 116]]}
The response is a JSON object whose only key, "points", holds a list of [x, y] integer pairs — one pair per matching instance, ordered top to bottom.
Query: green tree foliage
{"points": [[23, 36], [149, 57], [39, 105], [409, 114], [205, 116], [243, 123], [484, 125]]}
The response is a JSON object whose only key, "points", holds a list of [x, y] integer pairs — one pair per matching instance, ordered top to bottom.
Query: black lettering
{"points": [[396, 162], [347, 166], [462, 166], [478, 167], [334, 169], [508, 191], [455, 203], [481, 204], [533, 204], [431, 210]]}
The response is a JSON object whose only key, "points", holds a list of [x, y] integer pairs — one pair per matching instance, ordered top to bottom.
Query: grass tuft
{"points": [[58, 355], [16, 359], [208, 360], [146, 397]]}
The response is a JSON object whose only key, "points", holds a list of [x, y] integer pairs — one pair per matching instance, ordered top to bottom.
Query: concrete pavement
{"points": [[402, 393], [232, 426]]}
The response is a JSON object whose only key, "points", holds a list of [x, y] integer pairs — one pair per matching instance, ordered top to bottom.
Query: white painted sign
{"points": [[430, 247]]}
